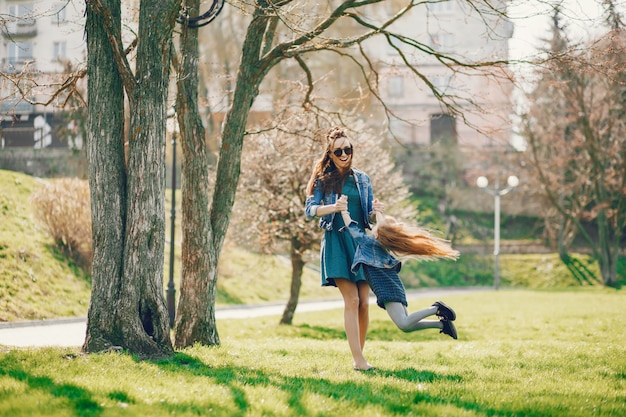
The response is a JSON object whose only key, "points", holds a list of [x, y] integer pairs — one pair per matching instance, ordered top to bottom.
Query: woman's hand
{"points": [[342, 203]]}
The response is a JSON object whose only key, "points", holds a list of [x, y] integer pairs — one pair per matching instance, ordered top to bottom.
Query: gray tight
{"points": [[411, 322]]}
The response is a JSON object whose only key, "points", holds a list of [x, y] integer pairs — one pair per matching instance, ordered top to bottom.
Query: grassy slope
{"points": [[36, 282], [520, 353]]}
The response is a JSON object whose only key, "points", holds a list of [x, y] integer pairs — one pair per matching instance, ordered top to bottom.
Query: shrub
{"points": [[63, 207]]}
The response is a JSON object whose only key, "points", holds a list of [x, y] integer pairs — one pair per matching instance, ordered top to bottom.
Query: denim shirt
{"points": [[363, 184], [369, 251]]}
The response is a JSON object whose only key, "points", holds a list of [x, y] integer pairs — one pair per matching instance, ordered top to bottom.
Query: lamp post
{"points": [[497, 192], [171, 290]]}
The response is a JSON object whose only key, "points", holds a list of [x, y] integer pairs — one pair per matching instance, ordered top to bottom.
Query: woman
{"points": [[332, 176], [381, 268]]}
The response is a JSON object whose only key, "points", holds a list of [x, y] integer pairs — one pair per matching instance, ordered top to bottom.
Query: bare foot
{"points": [[363, 367]]}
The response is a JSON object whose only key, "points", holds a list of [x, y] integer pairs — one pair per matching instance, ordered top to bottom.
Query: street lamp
{"points": [[497, 192], [171, 290]]}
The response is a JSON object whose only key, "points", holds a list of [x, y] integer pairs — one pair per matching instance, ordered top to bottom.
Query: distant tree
{"points": [[575, 130], [276, 167]]}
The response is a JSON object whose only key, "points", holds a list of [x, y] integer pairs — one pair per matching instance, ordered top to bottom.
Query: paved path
{"points": [[71, 331]]}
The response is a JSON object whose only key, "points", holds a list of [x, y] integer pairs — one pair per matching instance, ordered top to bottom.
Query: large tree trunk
{"points": [[107, 179], [297, 265], [133, 316], [195, 318], [196, 321]]}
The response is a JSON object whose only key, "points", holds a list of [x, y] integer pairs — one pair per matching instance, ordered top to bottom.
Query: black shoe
{"points": [[444, 311], [448, 328]]}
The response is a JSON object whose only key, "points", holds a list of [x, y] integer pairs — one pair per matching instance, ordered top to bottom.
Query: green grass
{"points": [[36, 279], [519, 353]]}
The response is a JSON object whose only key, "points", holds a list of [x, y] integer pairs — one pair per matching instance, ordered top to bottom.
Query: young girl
{"points": [[374, 256]]}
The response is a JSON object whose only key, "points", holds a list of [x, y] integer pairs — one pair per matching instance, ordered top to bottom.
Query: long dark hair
{"points": [[325, 170]]}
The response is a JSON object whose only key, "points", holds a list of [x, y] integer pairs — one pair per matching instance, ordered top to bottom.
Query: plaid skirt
{"points": [[386, 284]]}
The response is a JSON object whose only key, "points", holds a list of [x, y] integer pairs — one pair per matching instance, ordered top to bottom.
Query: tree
{"points": [[575, 130], [276, 168], [199, 262], [127, 308]]}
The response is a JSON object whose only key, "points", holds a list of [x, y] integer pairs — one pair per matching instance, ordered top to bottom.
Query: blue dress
{"points": [[338, 247]]}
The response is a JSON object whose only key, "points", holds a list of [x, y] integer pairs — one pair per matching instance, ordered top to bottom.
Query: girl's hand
{"points": [[342, 203], [378, 206]]}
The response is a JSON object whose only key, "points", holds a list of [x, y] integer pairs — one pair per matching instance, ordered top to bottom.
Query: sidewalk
{"points": [[71, 331]]}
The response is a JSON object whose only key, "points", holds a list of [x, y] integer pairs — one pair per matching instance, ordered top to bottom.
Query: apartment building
{"points": [[453, 28], [43, 42]]}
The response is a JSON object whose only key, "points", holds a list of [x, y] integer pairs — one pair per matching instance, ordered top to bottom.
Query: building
{"points": [[455, 29], [43, 45], [451, 110]]}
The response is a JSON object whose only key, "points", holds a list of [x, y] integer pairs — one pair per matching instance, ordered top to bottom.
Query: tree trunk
{"points": [[107, 180], [606, 255], [297, 265], [136, 315], [196, 316], [196, 321]]}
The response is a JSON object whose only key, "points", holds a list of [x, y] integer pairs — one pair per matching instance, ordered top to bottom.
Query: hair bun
{"points": [[335, 133]]}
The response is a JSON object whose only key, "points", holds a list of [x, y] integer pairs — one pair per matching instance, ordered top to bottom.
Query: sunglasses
{"points": [[347, 150]]}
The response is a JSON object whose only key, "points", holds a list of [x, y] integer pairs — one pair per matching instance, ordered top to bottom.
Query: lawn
{"points": [[519, 353]]}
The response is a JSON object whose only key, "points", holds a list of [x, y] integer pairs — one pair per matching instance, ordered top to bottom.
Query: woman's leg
{"points": [[350, 293], [364, 310], [415, 321]]}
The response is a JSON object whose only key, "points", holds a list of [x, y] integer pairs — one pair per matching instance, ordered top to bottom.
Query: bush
{"points": [[63, 207]]}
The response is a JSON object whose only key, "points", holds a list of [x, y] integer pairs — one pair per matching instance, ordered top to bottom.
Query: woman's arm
{"points": [[339, 206], [315, 208]]}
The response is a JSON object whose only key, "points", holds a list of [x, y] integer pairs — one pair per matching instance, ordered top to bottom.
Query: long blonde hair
{"points": [[325, 169], [411, 241]]}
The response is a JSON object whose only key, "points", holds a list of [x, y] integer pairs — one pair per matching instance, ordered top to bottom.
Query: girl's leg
{"points": [[350, 293], [415, 321]]}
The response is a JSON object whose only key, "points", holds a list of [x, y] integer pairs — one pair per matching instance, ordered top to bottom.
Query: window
{"points": [[441, 6], [23, 12], [60, 16], [442, 42], [59, 50], [20, 52], [441, 83], [395, 86], [443, 129]]}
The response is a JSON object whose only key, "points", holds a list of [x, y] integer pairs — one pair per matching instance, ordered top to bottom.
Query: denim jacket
{"points": [[363, 184], [369, 251]]}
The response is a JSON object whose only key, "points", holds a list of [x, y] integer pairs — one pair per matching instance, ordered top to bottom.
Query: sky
{"points": [[532, 22]]}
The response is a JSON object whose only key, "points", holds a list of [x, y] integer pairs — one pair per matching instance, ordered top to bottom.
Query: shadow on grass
{"points": [[79, 267], [224, 297], [378, 331], [317, 332], [379, 388], [386, 396], [79, 399]]}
